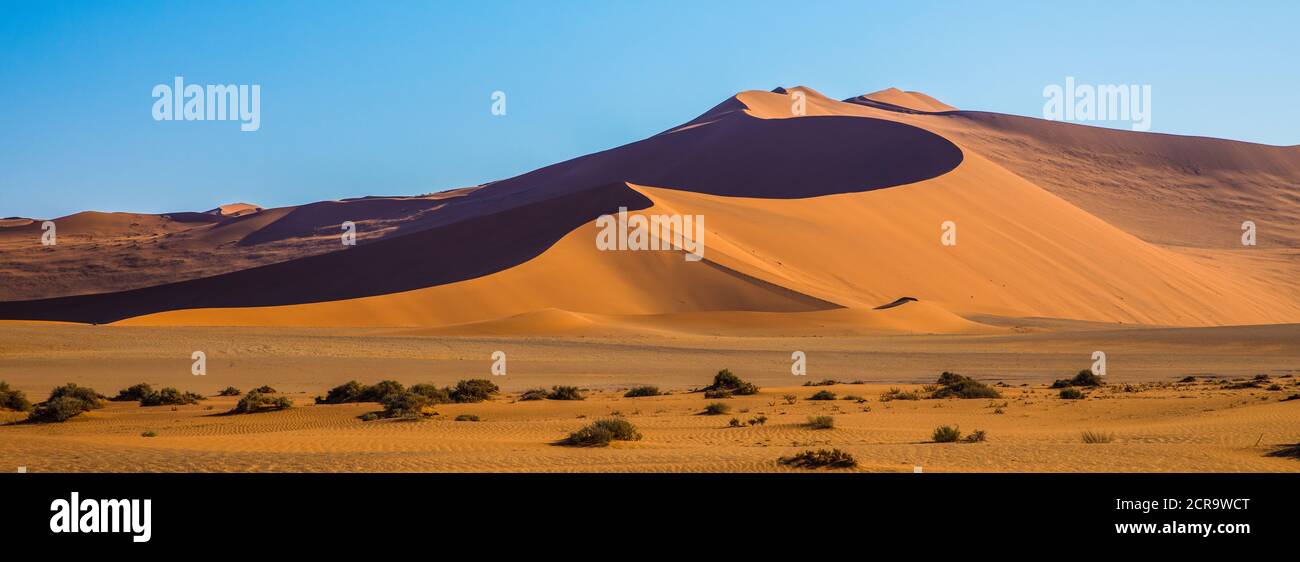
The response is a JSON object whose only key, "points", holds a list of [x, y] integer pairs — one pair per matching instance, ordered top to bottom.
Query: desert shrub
{"points": [[1083, 378], [1188, 378], [1261, 378], [726, 380], [823, 382], [953, 385], [1274, 387], [264, 390], [473, 390], [229, 391], [380, 391], [641, 391], [347, 392], [432, 392], [133, 393], [565, 393], [534, 394], [717, 394], [899, 394], [1071, 394], [822, 395], [170, 397], [790, 398], [854, 398], [12, 399], [92, 399], [255, 401], [66, 402], [406, 405], [716, 409], [369, 416], [467, 417], [759, 420], [735, 422], [821, 422], [601, 432], [148, 434], [946, 434], [977, 436], [1097, 437], [822, 458]]}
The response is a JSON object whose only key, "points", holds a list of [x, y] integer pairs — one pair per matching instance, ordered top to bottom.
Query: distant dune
{"points": [[813, 222]]}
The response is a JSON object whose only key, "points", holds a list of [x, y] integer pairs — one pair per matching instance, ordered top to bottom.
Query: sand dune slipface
{"points": [[835, 208]]}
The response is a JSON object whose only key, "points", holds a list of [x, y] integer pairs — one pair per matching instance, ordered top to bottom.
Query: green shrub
{"points": [[1085, 378], [726, 381], [823, 382], [953, 385], [264, 390], [473, 390], [229, 391], [380, 391], [642, 391], [347, 392], [134, 393], [433, 393], [565, 393], [534, 394], [717, 394], [899, 394], [1071, 394], [822, 395], [170, 397], [12, 399], [256, 401], [66, 402], [406, 405], [716, 409], [467, 417], [821, 422], [602, 432], [946, 434], [977, 436], [1092, 437], [822, 458]]}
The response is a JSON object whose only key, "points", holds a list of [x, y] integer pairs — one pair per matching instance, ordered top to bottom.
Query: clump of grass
{"points": [[1083, 378], [725, 380], [823, 382], [953, 385], [264, 390], [473, 390], [229, 391], [642, 391], [133, 393], [565, 393], [533, 394], [899, 394], [1071, 394], [822, 395], [170, 397], [790, 398], [13, 399], [255, 402], [65, 403], [716, 409], [468, 417], [758, 420], [735, 422], [821, 422], [602, 432], [946, 434], [977, 436], [1092, 437], [822, 458]]}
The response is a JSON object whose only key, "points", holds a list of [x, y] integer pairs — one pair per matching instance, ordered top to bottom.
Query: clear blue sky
{"points": [[386, 98]]}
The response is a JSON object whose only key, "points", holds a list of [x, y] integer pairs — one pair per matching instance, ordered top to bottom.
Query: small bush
{"points": [[1083, 378], [1188, 378], [727, 381], [823, 382], [953, 385], [1274, 387], [264, 390], [473, 390], [229, 391], [642, 391], [347, 392], [379, 392], [134, 393], [433, 393], [565, 393], [534, 394], [717, 394], [899, 394], [1071, 394], [822, 395], [170, 397], [790, 398], [11, 399], [255, 401], [66, 402], [406, 405], [716, 409], [467, 417], [759, 420], [735, 422], [821, 422], [602, 432], [148, 434], [946, 434], [977, 436], [1097, 437], [822, 458]]}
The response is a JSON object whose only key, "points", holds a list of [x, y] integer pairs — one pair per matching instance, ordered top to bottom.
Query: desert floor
{"points": [[1158, 425]]}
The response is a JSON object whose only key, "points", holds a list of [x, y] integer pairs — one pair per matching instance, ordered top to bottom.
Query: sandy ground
{"points": [[1157, 425]]}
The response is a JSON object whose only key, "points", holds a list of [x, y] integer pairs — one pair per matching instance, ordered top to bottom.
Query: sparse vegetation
{"points": [[1083, 378], [1188, 378], [726, 381], [823, 382], [953, 385], [264, 390], [473, 390], [229, 391], [642, 391], [432, 392], [133, 393], [565, 393], [533, 394], [717, 394], [899, 394], [1071, 394], [822, 395], [170, 397], [790, 398], [12, 399], [66, 402], [255, 402], [407, 406], [716, 409], [468, 417], [758, 420], [735, 422], [821, 422], [601, 432], [148, 434], [946, 434], [977, 436], [1092, 437], [822, 458]]}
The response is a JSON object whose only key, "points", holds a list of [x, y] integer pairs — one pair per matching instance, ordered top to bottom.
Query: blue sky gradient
{"points": [[393, 98]]}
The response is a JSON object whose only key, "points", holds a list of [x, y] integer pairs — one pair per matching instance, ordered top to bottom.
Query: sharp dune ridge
{"points": [[814, 222]]}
